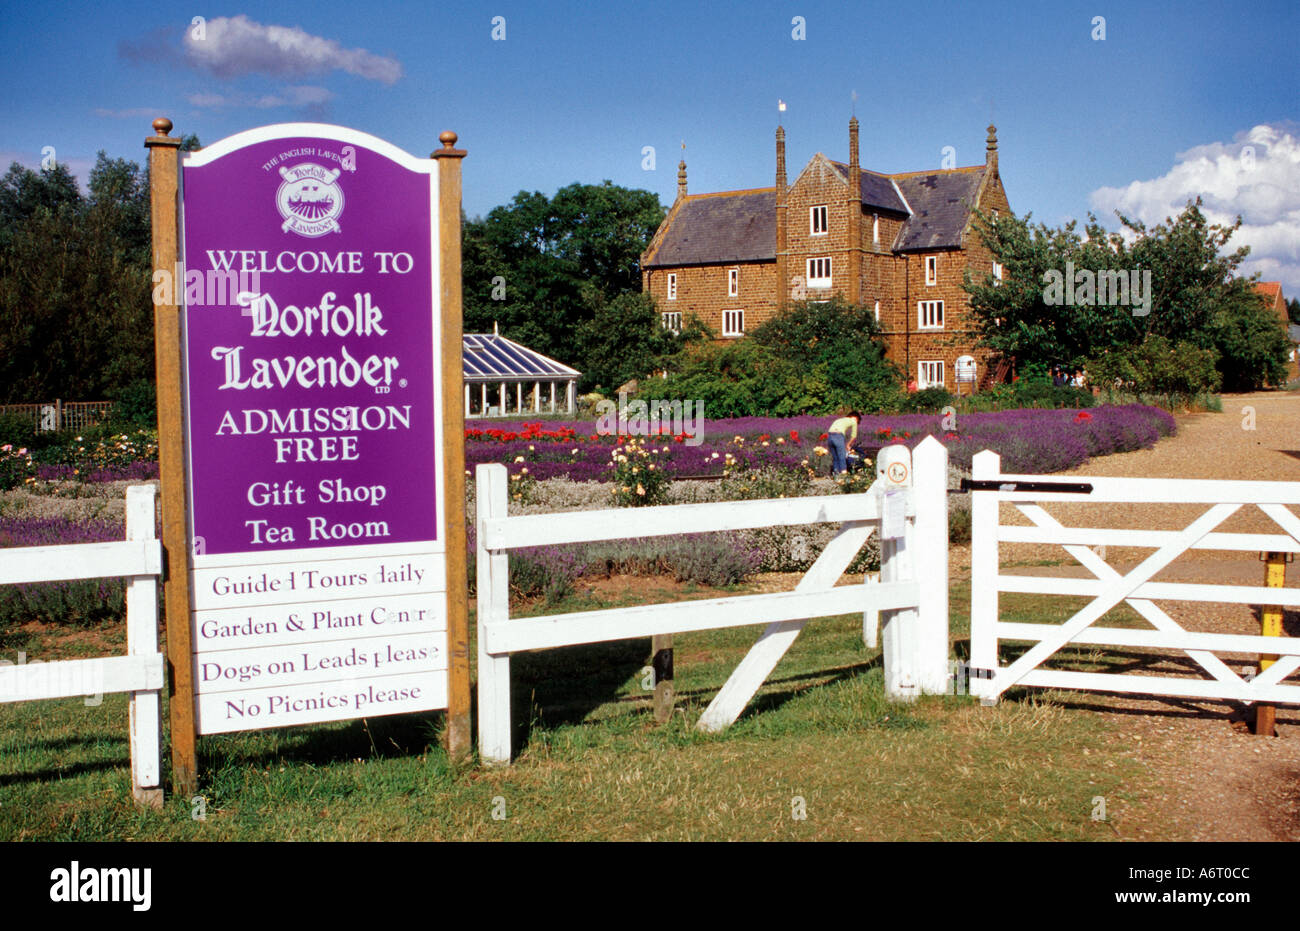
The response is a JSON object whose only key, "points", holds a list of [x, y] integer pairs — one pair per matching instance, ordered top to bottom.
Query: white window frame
{"points": [[822, 211], [875, 228], [931, 270], [997, 274], [820, 281], [733, 282], [672, 286], [877, 311], [929, 315], [671, 320], [733, 322], [922, 381]]}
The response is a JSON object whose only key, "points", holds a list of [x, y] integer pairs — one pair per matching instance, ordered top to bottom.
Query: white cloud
{"points": [[233, 46], [303, 95], [1256, 175]]}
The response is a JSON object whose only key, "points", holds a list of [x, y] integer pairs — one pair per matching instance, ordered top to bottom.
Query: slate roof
{"points": [[877, 190], [941, 203], [736, 226], [740, 226], [1293, 331], [492, 358]]}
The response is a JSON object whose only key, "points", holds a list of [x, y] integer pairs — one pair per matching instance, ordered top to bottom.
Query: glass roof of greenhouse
{"points": [[492, 358]]}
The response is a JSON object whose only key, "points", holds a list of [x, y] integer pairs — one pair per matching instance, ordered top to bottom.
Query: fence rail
{"points": [[52, 416], [911, 511], [1109, 587], [140, 671]]}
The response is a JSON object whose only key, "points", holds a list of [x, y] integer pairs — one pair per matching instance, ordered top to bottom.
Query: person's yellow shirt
{"points": [[846, 425]]}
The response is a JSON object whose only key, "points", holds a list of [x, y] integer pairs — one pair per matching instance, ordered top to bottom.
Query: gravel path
{"points": [[1207, 777]]}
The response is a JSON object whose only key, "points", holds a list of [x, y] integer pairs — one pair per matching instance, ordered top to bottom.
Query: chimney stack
{"points": [[991, 149], [681, 179], [782, 278], [854, 289]]}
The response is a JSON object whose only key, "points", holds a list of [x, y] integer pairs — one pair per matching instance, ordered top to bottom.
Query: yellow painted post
{"points": [[1270, 623]]}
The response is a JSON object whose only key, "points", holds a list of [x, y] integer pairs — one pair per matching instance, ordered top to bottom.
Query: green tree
{"points": [[527, 264], [1194, 296], [75, 309], [1293, 310], [1019, 319], [623, 339], [840, 341], [1251, 343], [812, 358]]}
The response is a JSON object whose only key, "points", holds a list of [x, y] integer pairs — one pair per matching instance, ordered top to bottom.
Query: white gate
{"points": [[1108, 588], [915, 622], [140, 671]]}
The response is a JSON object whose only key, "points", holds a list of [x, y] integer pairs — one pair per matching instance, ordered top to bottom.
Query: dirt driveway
{"points": [[1207, 777]]}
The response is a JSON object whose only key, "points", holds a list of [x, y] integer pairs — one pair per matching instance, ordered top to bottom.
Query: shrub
{"points": [[1156, 366], [926, 401], [136, 406], [18, 430], [16, 467], [637, 476], [80, 602]]}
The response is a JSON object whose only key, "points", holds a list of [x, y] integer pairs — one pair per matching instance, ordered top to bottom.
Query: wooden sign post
{"points": [[164, 167], [310, 366]]}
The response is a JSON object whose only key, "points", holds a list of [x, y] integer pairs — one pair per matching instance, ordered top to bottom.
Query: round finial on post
{"points": [[162, 126], [448, 139]]}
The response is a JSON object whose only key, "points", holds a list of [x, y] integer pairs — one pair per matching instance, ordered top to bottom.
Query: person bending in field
{"points": [[843, 433]]}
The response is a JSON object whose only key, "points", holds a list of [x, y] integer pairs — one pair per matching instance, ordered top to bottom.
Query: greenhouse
{"points": [[503, 378]]}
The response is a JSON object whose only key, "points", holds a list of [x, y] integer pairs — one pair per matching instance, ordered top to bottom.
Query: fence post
{"points": [[985, 465], [930, 563], [493, 579], [898, 633], [144, 714]]}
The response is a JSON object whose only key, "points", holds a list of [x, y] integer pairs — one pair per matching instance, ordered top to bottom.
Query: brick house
{"points": [[899, 243], [1271, 292]]}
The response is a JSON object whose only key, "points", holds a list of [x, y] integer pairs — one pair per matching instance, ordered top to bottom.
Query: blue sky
{"points": [[1158, 111]]}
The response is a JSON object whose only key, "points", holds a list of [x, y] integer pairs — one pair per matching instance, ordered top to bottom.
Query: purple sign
{"points": [[311, 337]]}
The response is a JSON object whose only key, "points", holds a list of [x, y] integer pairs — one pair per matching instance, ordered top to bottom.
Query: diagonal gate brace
{"points": [[762, 658]]}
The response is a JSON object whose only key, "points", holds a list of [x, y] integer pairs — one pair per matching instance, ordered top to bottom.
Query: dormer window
{"points": [[817, 225], [931, 269]]}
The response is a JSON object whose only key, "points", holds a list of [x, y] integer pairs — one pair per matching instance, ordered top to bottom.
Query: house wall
{"points": [[897, 281], [702, 291]]}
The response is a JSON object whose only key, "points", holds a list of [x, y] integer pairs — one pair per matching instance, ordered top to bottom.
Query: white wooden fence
{"points": [[1109, 587], [912, 591], [140, 671]]}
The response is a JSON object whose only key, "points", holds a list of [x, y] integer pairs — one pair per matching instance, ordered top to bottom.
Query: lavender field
{"points": [[1029, 441]]}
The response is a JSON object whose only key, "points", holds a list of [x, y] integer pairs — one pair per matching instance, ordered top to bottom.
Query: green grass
{"points": [[592, 765]]}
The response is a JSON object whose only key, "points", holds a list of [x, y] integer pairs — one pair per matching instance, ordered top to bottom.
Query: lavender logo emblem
{"points": [[310, 200]]}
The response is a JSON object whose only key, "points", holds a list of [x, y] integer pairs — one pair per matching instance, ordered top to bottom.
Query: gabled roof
{"points": [[877, 190], [941, 202], [734, 226], [740, 226], [1270, 289], [489, 357]]}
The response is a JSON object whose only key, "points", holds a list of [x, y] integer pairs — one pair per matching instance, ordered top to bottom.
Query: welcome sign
{"points": [[313, 410]]}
